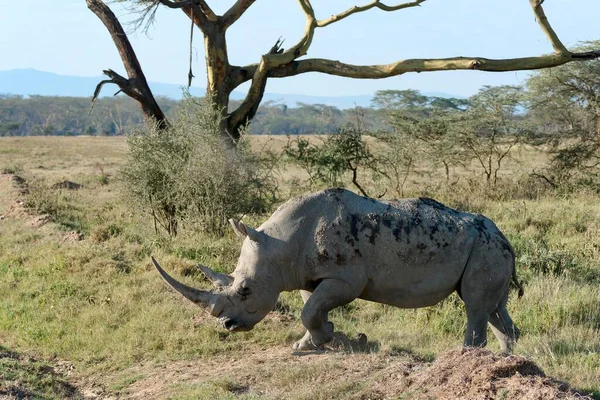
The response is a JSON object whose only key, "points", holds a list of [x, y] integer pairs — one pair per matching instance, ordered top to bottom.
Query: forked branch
{"points": [[203, 5], [540, 15], [136, 86]]}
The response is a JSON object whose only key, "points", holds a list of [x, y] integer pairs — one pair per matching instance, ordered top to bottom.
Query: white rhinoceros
{"points": [[335, 246]]}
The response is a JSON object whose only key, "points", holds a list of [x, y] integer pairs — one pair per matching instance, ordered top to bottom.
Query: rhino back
{"points": [[412, 250]]}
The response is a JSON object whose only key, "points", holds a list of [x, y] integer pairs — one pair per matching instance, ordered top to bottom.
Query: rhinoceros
{"points": [[335, 246]]}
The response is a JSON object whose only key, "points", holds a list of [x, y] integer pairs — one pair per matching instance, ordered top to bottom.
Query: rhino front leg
{"points": [[330, 293], [306, 340]]}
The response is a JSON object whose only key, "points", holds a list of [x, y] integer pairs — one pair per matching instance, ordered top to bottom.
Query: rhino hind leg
{"points": [[484, 289], [330, 293], [503, 326], [476, 334]]}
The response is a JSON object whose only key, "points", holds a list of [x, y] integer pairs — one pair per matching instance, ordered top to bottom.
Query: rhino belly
{"points": [[413, 285]]}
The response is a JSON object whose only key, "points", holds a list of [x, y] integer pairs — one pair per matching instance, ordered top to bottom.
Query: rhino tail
{"points": [[515, 278], [521, 290]]}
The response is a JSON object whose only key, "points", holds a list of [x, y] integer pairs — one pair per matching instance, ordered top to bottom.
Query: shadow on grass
{"points": [[342, 343], [24, 377]]}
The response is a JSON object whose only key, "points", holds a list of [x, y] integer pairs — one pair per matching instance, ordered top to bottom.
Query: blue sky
{"points": [[64, 37]]}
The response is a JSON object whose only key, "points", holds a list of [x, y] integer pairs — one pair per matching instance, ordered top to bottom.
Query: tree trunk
{"points": [[218, 83], [136, 86]]}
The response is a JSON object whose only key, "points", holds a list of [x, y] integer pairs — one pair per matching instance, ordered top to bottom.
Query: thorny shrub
{"points": [[186, 174]]}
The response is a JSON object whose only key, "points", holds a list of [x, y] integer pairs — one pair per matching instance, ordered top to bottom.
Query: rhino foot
{"points": [[315, 341], [304, 345]]}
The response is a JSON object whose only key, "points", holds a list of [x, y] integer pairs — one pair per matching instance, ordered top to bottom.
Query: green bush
{"points": [[339, 154], [187, 174]]}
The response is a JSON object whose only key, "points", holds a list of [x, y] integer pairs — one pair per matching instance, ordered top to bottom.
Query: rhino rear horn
{"points": [[243, 230], [216, 278], [200, 297]]}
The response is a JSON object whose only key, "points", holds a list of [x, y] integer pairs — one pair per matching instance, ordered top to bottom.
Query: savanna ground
{"points": [[83, 314]]}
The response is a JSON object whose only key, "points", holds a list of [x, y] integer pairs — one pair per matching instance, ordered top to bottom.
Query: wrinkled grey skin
{"points": [[335, 246]]}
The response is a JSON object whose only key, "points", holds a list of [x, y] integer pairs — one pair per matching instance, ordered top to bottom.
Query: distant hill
{"points": [[28, 82]]}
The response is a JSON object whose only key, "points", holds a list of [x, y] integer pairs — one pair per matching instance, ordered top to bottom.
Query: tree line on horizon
{"points": [[114, 116]]}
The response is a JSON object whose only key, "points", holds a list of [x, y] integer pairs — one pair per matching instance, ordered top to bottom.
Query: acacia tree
{"points": [[223, 77], [565, 101], [490, 127]]}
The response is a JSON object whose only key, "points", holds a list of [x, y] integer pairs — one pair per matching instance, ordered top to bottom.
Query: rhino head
{"points": [[245, 297]]}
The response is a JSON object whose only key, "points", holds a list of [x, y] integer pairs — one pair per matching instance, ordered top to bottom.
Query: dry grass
{"points": [[95, 303]]}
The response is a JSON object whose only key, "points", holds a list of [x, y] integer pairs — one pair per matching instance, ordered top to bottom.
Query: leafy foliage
{"points": [[565, 102], [70, 116], [485, 128], [490, 128], [338, 154], [186, 173]]}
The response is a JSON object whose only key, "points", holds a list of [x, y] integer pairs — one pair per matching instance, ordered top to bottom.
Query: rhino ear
{"points": [[237, 229], [243, 230]]}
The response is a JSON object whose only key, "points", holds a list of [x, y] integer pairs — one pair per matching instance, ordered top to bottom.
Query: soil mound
{"points": [[480, 374]]}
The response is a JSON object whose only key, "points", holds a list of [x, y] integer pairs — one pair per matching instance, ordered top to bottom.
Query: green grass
{"points": [[99, 304]]}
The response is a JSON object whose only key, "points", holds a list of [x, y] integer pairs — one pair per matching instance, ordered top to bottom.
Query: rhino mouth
{"points": [[234, 326]]}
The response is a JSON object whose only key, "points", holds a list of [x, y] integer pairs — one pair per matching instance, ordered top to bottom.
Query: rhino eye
{"points": [[244, 292]]}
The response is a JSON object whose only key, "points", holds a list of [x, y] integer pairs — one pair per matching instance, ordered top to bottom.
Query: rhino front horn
{"points": [[200, 297]]}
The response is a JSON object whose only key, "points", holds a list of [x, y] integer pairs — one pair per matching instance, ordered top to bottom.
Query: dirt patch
{"points": [[67, 185], [12, 188], [13, 192], [38, 221], [72, 236], [280, 373]]}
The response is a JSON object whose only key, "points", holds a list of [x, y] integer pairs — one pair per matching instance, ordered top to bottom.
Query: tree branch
{"points": [[176, 4], [204, 7], [358, 9], [193, 10], [207, 11], [235, 12], [540, 15], [301, 48], [276, 57], [286, 63], [338, 68], [381, 71], [136, 86], [97, 93], [246, 111]]}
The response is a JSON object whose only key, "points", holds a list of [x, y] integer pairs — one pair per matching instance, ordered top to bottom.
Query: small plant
{"points": [[342, 153], [103, 179]]}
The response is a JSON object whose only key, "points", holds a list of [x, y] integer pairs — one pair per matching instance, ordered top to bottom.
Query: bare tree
{"points": [[223, 77]]}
